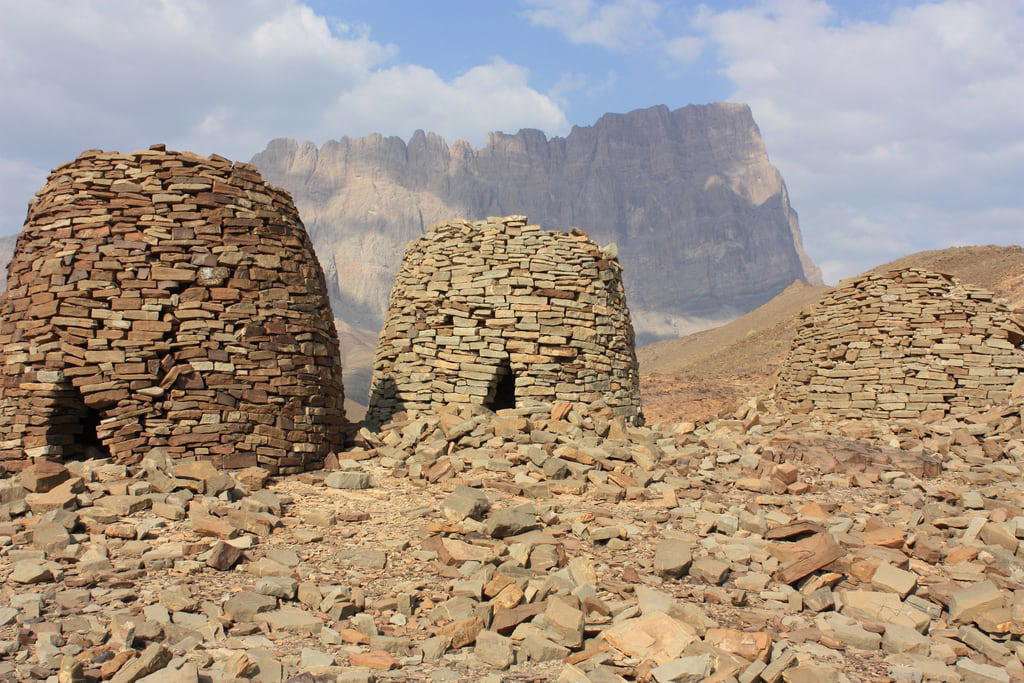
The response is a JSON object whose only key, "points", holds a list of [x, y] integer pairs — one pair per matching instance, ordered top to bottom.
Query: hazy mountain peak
{"points": [[701, 216]]}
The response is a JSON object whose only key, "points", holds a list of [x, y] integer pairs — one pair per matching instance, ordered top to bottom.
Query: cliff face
{"points": [[701, 217]]}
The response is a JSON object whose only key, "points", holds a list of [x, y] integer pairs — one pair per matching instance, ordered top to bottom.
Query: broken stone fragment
{"points": [[43, 475], [252, 478], [348, 480], [463, 503], [259, 523], [505, 523], [50, 537], [223, 556], [805, 556], [672, 558], [709, 570], [28, 572], [890, 579], [970, 602], [246, 605], [884, 608], [291, 620], [565, 621], [462, 632], [657, 636], [749, 645], [494, 649], [152, 659], [377, 660], [690, 669]]}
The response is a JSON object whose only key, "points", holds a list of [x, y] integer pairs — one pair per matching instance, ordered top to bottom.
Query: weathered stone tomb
{"points": [[164, 302], [500, 313], [905, 344]]}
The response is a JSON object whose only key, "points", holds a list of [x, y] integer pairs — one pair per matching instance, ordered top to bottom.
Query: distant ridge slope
{"points": [[701, 217], [698, 375]]}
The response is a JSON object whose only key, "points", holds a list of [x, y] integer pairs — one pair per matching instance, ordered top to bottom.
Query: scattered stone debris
{"points": [[539, 543]]}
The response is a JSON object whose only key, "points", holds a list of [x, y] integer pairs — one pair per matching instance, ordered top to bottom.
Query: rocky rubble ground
{"points": [[543, 543]]}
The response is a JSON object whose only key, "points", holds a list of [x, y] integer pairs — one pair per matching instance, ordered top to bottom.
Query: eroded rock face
{"points": [[701, 217], [167, 303], [499, 313], [904, 344]]}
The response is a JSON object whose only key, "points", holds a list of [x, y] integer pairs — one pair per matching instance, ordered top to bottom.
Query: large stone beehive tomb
{"points": [[164, 302], [498, 313], [907, 344]]}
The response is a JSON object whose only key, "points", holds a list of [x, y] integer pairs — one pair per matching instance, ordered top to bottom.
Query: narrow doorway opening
{"points": [[504, 393], [75, 427], [88, 440]]}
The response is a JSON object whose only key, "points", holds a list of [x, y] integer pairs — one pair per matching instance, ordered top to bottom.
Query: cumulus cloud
{"points": [[615, 24], [621, 26], [684, 49], [205, 76], [489, 97], [893, 135]]}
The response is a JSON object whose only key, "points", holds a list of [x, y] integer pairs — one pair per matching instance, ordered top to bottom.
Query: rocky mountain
{"points": [[702, 219]]}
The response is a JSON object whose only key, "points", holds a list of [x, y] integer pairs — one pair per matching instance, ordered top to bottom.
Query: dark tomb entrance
{"points": [[504, 392], [75, 425], [88, 440]]}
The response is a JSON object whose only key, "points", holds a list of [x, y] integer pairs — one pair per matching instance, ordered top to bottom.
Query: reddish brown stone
{"points": [[155, 299], [378, 660]]}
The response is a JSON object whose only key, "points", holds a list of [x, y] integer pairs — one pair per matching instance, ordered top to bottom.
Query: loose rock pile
{"points": [[167, 303], [499, 313], [907, 344], [548, 543]]}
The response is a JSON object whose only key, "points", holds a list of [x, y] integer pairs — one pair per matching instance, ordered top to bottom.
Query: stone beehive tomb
{"points": [[164, 302], [499, 313], [903, 344]]}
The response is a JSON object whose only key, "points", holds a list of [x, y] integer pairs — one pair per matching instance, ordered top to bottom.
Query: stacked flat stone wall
{"points": [[164, 302], [478, 306], [908, 344]]}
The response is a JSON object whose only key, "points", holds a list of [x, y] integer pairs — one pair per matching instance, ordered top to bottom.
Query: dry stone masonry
{"points": [[164, 302], [500, 313], [908, 344]]}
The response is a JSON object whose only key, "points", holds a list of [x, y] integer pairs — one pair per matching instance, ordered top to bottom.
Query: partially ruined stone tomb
{"points": [[164, 302], [500, 313], [907, 344]]}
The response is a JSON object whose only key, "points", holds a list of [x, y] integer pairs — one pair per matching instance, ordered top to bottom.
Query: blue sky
{"points": [[449, 35], [895, 124]]}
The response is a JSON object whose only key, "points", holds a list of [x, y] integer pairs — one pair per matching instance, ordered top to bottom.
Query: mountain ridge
{"points": [[689, 193]]}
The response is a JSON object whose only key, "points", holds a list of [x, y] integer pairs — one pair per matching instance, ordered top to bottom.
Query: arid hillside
{"points": [[698, 375]]}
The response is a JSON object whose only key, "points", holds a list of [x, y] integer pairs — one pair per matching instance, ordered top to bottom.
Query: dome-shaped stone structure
{"points": [[164, 302], [497, 313], [907, 344]]}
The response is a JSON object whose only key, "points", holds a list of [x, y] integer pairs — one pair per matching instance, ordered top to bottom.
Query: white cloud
{"points": [[615, 24], [620, 26], [684, 49], [205, 76], [489, 97], [894, 135]]}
